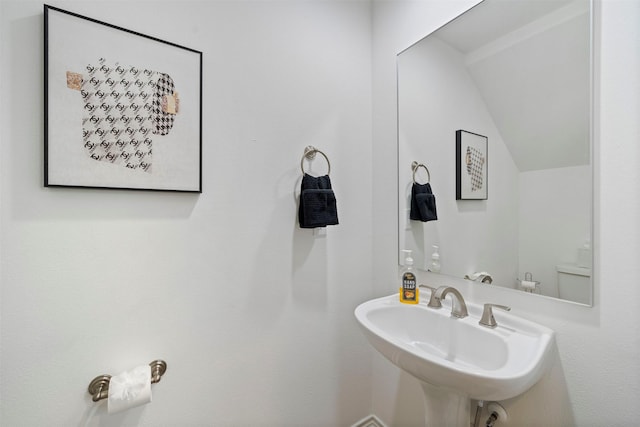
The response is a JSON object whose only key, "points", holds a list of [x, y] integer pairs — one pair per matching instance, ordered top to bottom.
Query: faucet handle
{"points": [[434, 302], [487, 315]]}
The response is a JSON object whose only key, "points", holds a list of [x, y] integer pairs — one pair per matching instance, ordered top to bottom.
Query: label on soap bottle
{"points": [[408, 291]]}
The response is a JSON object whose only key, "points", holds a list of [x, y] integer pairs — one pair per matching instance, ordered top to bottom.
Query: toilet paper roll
{"points": [[528, 285], [129, 389]]}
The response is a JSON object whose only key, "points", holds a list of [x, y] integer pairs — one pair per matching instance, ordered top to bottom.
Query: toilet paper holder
{"points": [[99, 387]]}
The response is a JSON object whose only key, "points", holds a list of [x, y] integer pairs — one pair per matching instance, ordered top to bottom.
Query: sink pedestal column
{"points": [[445, 407]]}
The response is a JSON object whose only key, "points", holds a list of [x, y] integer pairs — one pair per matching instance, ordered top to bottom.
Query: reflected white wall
{"points": [[437, 97]]}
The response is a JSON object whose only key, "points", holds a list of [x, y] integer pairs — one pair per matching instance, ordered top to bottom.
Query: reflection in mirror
{"points": [[517, 75]]}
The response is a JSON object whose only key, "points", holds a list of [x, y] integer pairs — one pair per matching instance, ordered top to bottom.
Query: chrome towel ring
{"points": [[310, 154], [415, 166]]}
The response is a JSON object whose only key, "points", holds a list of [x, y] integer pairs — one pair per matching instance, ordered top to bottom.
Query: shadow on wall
{"points": [[309, 262], [304, 277], [546, 404], [409, 406], [96, 415]]}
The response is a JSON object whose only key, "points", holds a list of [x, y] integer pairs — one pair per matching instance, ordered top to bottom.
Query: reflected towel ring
{"points": [[310, 154], [415, 166]]}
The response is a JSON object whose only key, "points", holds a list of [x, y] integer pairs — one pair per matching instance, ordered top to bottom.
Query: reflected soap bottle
{"points": [[584, 255], [434, 267], [408, 289]]}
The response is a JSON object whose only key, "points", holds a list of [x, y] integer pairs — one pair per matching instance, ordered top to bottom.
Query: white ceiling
{"points": [[530, 61]]}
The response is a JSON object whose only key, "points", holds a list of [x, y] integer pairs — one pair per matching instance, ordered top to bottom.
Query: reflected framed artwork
{"points": [[122, 110], [471, 166]]}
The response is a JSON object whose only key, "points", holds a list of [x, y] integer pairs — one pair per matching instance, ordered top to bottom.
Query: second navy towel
{"points": [[423, 203]]}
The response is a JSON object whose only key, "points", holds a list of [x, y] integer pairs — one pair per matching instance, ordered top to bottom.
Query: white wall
{"points": [[555, 220], [253, 315], [595, 377]]}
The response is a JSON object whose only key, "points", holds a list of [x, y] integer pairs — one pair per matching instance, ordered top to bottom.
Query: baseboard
{"points": [[370, 421]]}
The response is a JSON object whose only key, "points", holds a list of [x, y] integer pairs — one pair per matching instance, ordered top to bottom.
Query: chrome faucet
{"points": [[482, 277], [433, 301], [458, 307], [487, 315]]}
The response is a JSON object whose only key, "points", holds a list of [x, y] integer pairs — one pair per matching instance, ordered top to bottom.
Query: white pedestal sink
{"points": [[457, 359]]}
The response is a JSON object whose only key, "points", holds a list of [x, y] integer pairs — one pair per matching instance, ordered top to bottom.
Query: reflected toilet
{"points": [[574, 283]]}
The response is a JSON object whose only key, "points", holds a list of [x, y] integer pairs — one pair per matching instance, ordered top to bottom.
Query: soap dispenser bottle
{"points": [[434, 267], [408, 285]]}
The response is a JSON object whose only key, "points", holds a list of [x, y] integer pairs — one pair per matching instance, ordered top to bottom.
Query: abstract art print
{"points": [[122, 110], [471, 166]]}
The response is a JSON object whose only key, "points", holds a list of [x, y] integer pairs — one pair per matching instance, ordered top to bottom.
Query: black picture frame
{"points": [[122, 110], [472, 162]]}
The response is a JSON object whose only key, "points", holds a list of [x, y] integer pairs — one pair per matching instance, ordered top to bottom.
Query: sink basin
{"points": [[458, 354]]}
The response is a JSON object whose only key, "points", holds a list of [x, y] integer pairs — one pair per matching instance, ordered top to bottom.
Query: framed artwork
{"points": [[122, 110], [471, 166]]}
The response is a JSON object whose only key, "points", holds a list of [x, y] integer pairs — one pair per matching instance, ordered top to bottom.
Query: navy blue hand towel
{"points": [[317, 202], [423, 203]]}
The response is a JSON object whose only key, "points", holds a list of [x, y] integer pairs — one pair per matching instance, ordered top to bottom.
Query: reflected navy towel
{"points": [[317, 202], [423, 203]]}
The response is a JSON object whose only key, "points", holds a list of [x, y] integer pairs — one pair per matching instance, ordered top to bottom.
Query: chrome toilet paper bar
{"points": [[99, 387]]}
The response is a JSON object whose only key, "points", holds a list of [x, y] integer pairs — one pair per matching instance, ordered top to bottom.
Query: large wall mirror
{"points": [[494, 112]]}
